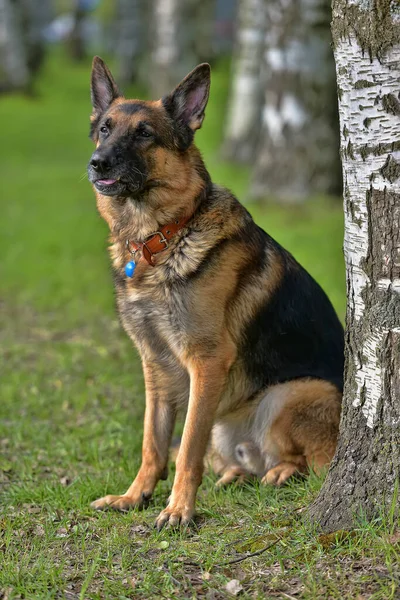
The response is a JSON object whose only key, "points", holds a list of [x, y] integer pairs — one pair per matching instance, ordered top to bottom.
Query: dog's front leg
{"points": [[207, 381], [158, 426]]}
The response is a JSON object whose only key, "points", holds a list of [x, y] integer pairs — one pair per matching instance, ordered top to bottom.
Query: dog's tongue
{"points": [[106, 181]]}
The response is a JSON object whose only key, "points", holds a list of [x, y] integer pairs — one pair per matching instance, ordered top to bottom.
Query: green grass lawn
{"points": [[72, 397]]}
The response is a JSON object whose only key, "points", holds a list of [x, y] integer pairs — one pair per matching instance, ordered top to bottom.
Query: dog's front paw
{"points": [[122, 503], [174, 516]]}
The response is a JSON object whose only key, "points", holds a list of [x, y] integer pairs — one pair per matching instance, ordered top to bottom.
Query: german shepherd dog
{"points": [[228, 325]]}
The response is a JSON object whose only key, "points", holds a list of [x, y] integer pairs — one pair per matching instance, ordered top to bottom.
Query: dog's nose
{"points": [[98, 162]]}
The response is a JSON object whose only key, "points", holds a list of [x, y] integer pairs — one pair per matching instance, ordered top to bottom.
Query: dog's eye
{"points": [[105, 128], [143, 133]]}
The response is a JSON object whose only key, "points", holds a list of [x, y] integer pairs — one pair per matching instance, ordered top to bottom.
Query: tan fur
{"points": [[306, 429]]}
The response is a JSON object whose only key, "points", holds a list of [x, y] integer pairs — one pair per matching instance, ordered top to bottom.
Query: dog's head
{"points": [[139, 145]]}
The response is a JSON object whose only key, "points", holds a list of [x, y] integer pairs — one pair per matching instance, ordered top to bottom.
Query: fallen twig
{"points": [[237, 560], [189, 563], [173, 579]]}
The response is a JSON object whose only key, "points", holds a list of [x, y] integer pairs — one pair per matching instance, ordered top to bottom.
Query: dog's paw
{"points": [[234, 473], [279, 474], [236, 480], [122, 503], [173, 516]]}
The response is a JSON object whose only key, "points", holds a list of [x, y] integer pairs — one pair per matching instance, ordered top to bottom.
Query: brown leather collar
{"points": [[156, 242]]}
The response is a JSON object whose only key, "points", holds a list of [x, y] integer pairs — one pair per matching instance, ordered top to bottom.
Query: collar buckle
{"points": [[162, 240]]}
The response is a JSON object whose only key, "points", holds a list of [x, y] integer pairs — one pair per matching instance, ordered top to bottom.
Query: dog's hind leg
{"points": [[304, 432], [232, 473], [281, 473]]}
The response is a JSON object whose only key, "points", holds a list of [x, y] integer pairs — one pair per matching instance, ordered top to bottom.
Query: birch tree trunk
{"points": [[204, 15], [76, 41], [172, 58], [14, 72], [245, 102], [298, 154], [364, 472]]}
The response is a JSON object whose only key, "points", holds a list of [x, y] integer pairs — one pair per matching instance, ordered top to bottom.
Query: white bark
{"points": [[166, 32], [173, 44], [166, 56], [366, 85], [247, 86]]}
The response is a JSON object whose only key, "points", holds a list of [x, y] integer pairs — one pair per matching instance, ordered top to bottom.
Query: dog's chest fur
{"points": [[156, 306], [154, 318]]}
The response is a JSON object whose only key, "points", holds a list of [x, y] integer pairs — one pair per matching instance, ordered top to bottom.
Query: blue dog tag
{"points": [[130, 268]]}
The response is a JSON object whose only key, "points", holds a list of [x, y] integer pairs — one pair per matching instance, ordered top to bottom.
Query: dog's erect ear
{"points": [[103, 87], [188, 101]]}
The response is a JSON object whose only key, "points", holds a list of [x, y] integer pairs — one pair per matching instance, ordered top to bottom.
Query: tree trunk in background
{"points": [[204, 15], [35, 17], [224, 27], [182, 37], [132, 38], [76, 42], [172, 58], [14, 72], [245, 102], [299, 149], [366, 467]]}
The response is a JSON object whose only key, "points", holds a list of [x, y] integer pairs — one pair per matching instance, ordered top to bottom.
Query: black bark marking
{"points": [[374, 26], [363, 83], [391, 104], [379, 149], [391, 169], [384, 244]]}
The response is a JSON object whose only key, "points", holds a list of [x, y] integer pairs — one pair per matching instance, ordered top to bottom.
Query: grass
{"points": [[72, 394]]}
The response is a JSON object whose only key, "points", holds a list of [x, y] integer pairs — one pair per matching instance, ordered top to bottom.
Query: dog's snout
{"points": [[99, 162], [94, 163]]}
